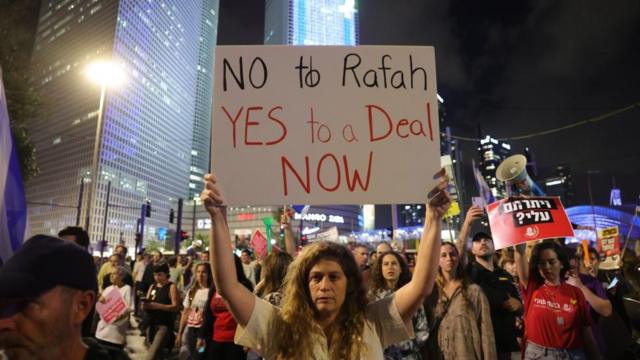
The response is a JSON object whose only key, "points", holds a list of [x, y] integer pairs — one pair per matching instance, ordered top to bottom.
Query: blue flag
{"points": [[13, 206], [300, 209]]}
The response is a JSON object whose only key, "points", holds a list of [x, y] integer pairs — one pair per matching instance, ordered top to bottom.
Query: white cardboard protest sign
{"points": [[325, 124], [330, 234]]}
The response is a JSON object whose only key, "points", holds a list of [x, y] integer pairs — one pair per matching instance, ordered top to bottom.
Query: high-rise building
{"points": [[304, 22], [307, 22], [148, 122], [492, 152], [200, 153], [561, 184]]}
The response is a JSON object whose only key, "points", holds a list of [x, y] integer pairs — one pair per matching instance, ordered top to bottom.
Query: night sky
{"points": [[511, 68]]}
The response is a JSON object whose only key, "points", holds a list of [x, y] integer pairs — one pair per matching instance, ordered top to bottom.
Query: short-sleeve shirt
{"points": [[195, 307], [555, 315], [224, 326], [383, 327], [116, 332]]}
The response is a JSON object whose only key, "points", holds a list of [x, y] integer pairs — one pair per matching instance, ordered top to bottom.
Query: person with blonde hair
{"points": [[274, 271], [325, 313]]}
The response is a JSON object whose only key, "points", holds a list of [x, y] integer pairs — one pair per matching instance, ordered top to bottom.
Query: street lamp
{"points": [[106, 74]]}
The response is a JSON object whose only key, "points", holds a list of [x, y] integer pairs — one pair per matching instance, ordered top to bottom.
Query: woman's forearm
{"points": [[522, 265], [410, 296], [600, 305]]}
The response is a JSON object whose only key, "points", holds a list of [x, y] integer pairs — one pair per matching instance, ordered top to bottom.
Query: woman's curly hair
{"points": [[534, 262], [377, 281], [298, 310]]}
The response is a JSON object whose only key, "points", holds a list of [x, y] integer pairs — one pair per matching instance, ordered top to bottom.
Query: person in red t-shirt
{"points": [[557, 320], [215, 338]]}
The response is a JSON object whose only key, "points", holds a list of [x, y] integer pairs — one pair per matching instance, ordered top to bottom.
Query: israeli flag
{"points": [[483, 187], [13, 206], [301, 209]]}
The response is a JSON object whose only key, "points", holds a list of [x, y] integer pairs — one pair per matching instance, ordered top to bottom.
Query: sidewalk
{"points": [[135, 348]]}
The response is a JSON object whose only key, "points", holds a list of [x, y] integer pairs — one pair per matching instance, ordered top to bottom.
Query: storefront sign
{"points": [[319, 218]]}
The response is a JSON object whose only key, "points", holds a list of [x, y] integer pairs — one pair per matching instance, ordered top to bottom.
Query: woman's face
{"points": [[448, 258], [114, 260], [549, 265], [390, 268], [115, 276], [201, 276], [161, 277], [328, 287]]}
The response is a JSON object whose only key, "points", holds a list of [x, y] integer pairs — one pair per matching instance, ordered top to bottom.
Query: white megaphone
{"points": [[513, 171]]}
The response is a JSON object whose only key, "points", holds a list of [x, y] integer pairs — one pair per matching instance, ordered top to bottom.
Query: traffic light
{"points": [[148, 209], [171, 216], [184, 235]]}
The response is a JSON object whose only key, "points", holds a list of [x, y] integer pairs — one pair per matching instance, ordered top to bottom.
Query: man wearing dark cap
{"points": [[496, 284], [47, 289]]}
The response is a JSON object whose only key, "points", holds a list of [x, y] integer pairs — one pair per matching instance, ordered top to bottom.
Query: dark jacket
{"points": [[498, 285]]}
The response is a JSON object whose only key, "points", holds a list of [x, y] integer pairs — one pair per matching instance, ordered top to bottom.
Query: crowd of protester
{"points": [[454, 300]]}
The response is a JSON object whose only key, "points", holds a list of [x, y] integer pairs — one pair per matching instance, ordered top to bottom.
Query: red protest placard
{"points": [[517, 220], [259, 244], [113, 306]]}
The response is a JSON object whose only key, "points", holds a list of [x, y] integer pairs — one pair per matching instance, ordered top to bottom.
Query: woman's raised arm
{"points": [[522, 264], [410, 296], [239, 300]]}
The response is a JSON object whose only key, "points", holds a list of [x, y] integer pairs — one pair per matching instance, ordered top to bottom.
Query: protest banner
{"points": [[325, 124], [517, 220], [330, 234], [608, 241], [259, 244], [113, 306]]}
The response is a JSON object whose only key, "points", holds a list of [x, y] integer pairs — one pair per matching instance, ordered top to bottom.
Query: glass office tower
{"points": [[307, 22], [148, 122], [200, 153]]}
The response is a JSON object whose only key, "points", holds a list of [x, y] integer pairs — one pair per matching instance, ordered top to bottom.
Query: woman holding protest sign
{"points": [[325, 314], [557, 319], [114, 332]]}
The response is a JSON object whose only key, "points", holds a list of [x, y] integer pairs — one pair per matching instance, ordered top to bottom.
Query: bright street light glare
{"points": [[105, 73]]}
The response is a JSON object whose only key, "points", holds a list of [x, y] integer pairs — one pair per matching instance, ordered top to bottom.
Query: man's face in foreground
{"points": [[37, 326]]}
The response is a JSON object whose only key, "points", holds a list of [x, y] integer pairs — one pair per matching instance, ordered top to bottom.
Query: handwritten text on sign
{"points": [[325, 125], [515, 220], [113, 306]]}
